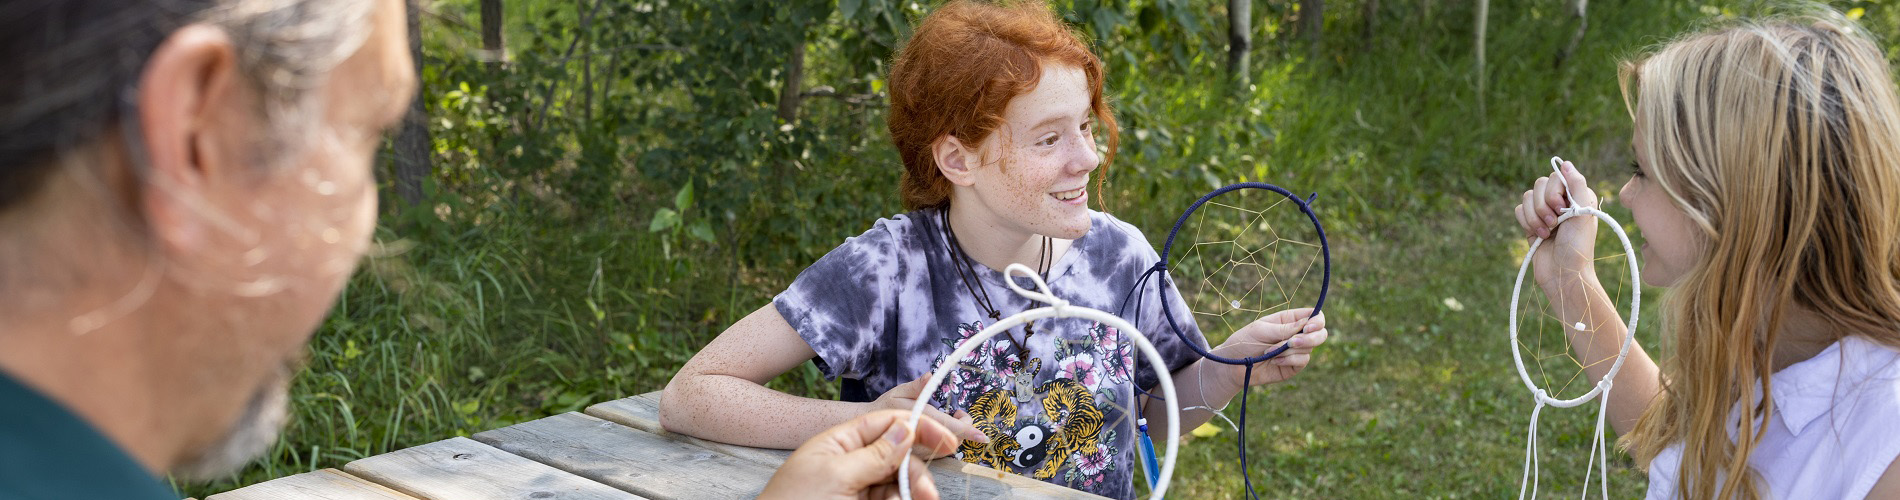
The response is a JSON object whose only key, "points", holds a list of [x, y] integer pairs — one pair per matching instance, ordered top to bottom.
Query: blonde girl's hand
{"points": [[1570, 247], [1299, 329], [904, 397], [860, 458]]}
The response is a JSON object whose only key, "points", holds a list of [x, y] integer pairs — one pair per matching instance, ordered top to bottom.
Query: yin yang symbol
{"points": [[1033, 439]]}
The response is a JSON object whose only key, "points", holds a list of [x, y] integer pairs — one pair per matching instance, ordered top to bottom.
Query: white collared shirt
{"points": [[1836, 429]]}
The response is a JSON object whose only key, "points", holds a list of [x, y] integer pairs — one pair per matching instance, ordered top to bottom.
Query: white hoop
{"points": [[1636, 300], [1057, 308], [1599, 450]]}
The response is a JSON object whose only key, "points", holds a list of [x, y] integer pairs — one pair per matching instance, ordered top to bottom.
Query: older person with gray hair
{"points": [[185, 186]]}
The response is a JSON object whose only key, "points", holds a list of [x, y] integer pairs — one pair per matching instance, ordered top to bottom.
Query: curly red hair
{"points": [[960, 69]]}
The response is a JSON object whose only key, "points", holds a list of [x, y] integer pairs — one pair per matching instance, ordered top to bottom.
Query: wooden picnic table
{"points": [[613, 450]]}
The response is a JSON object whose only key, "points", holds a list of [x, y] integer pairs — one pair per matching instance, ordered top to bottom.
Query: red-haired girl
{"points": [[994, 111]]}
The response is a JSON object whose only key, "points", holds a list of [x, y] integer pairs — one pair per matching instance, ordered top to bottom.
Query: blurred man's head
{"points": [[184, 188]]}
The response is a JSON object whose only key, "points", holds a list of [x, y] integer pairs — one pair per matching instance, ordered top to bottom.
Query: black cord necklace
{"points": [[966, 272]]}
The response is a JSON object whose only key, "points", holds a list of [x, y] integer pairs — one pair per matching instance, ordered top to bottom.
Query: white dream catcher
{"points": [[1057, 308], [1599, 451]]}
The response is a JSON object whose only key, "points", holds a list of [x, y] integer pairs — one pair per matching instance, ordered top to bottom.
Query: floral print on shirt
{"points": [[888, 306]]}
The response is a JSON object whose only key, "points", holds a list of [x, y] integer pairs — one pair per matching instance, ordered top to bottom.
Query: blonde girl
{"points": [[1767, 186]]}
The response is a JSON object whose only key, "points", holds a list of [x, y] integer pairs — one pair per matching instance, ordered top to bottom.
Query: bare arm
{"points": [[1638, 381], [1195, 391], [720, 394], [1888, 486]]}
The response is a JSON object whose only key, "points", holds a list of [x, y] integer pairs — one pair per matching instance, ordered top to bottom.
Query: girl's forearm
{"points": [[1596, 346], [1199, 387], [734, 410]]}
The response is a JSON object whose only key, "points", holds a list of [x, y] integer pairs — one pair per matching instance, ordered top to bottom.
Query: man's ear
{"points": [[183, 98], [957, 161]]}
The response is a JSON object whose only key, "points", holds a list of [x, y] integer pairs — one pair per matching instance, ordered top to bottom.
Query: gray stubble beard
{"points": [[248, 438]]}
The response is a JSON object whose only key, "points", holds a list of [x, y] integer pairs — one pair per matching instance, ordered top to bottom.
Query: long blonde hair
{"points": [[1781, 141]]}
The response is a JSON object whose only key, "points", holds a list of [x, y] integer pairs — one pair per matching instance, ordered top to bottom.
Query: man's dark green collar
{"points": [[47, 452]]}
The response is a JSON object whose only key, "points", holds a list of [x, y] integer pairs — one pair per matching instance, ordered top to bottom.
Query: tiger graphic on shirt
{"points": [[1053, 429]]}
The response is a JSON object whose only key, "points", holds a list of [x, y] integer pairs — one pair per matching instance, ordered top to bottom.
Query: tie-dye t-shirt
{"points": [[887, 306]]}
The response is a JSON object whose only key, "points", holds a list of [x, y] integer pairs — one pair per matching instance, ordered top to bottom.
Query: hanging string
{"points": [[1600, 450], [1598, 463], [1531, 467], [1246, 477]]}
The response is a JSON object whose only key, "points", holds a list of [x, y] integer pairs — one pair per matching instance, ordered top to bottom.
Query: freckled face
{"points": [[1035, 170], [1669, 242]]}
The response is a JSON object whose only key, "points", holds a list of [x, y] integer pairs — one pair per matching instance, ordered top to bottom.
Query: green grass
{"points": [[516, 306], [1412, 398]]}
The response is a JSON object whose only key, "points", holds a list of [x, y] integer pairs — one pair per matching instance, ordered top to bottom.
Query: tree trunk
{"points": [[1577, 8], [1484, 14], [1312, 18], [1371, 23], [1239, 39], [493, 48], [611, 76], [587, 86], [788, 98], [539, 118], [412, 143]]}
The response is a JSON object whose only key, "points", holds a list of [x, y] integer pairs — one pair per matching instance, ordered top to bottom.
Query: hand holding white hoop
{"points": [[1636, 297], [1058, 308], [1599, 448]]}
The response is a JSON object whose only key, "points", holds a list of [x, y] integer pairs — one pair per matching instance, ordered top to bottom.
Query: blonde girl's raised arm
{"points": [[1639, 380]]}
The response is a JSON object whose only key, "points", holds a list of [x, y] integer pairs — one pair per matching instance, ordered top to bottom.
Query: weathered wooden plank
{"points": [[639, 412], [643, 412], [630, 459], [463, 469], [956, 478], [326, 484]]}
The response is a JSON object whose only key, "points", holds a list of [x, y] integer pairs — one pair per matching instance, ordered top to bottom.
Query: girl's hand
{"points": [[1568, 249], [1298, 328], [904, 397], [859, 459]]}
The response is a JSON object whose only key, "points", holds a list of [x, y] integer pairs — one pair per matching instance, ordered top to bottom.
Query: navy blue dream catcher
{"points": [[1237, 254]]}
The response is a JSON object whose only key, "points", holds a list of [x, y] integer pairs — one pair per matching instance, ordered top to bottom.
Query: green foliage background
{"points": [[620, 189]]}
